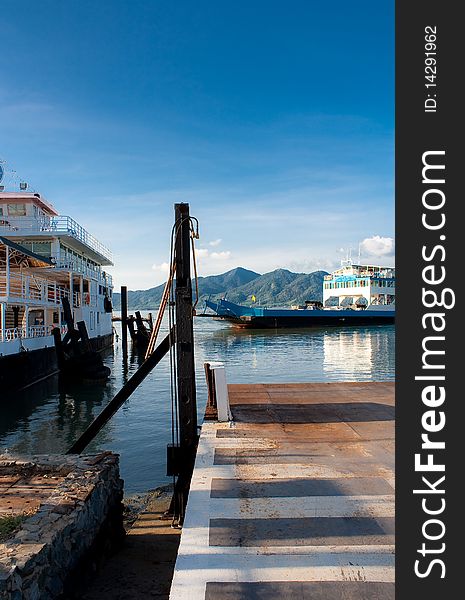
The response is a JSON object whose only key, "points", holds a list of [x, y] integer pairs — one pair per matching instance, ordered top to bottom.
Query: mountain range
{"points": [[277, 288]]}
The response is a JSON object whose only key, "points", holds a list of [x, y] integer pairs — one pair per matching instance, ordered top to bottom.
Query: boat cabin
{"points": [[45, 257], [360, 285]]}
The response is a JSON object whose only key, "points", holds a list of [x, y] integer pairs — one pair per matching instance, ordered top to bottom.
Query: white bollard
{"points": [[221, 391]]}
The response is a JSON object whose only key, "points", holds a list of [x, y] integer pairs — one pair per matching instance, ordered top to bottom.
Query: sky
{"points": [[273, 119]]}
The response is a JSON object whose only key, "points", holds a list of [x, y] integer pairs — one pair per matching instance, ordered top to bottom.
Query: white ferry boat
{"points": [[44, 257], [362, 286], [352, 295]]}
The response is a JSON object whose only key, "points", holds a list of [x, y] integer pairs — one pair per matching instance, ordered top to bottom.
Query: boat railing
{"points": [[60, 224], [71, 265], [378, 273], [104, 279], [32, 288], [38, 290], [87, 299], [33, 331]]}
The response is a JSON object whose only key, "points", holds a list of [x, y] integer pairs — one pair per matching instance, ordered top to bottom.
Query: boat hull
{"points": [[270, 318], [309, 321], [20, 370]]}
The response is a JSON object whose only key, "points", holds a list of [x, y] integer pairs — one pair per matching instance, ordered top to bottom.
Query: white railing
{"points": [[60, 224], [73, 265], [32, 288], [38, 290], [33, 331]]}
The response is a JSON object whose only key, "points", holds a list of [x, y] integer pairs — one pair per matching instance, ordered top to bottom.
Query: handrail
{"points": [[59, 224], [32, 287], [32, 331]]}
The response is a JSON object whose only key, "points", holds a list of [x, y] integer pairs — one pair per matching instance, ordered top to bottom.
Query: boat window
{"points": [[17, 210], [27, 245], [42, 248]]}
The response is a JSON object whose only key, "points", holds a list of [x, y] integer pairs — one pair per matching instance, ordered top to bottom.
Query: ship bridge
{"points": [[29, 215], [373, 285]]}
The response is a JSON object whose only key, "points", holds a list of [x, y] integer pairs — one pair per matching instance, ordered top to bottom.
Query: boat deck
{"points": [[294, 498]]}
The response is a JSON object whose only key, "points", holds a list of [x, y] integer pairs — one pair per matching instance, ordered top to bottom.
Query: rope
{"points": [[195, 236], [161, 312]]}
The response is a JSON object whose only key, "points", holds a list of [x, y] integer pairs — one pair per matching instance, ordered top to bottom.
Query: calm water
{"points": [[47, 418]]}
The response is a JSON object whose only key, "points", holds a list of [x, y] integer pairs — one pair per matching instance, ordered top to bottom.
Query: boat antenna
{"points": [[9, 178]]}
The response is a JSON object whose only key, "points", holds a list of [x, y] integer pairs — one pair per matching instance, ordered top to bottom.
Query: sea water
{"points": [[48, 417]]}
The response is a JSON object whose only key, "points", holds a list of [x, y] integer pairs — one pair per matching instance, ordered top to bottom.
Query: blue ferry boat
{"points": [[359, 294]]}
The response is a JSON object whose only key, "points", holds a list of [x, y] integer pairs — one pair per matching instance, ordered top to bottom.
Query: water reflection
{"points": [[357, 355], [50, 416]]}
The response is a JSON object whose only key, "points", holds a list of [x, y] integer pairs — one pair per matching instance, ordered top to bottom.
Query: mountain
{"points": [[219, 284], [215, 285], [277, 288], [280, 288]]}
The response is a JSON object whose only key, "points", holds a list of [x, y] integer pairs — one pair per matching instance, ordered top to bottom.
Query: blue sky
{"points": [[273, 119]]}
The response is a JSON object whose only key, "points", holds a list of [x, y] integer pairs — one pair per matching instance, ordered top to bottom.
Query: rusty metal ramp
{"points": [[294, 498]]}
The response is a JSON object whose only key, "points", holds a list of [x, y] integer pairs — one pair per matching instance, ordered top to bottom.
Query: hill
{"points": [[208, 286], [277, 288], [280, 288]]}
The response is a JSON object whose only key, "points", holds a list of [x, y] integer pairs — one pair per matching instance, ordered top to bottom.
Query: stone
{"points": [[77, 495]]}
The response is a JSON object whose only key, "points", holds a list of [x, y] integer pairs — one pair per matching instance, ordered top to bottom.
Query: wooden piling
{"points": [[124, 318], [81, 325], [130, 325], [185, 329], [142, 332], [72, 336], [59, 347], [211, 410], [188, 434]]}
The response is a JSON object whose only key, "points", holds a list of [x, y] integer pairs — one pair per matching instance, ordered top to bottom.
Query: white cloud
{"points": [[215, 242], [377, 246], [201, 252], [205, 253], [221, 255], [212, 263], [162, 268]]}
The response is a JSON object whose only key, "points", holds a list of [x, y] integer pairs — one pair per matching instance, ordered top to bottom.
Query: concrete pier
{"points": [[294, 498]]}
